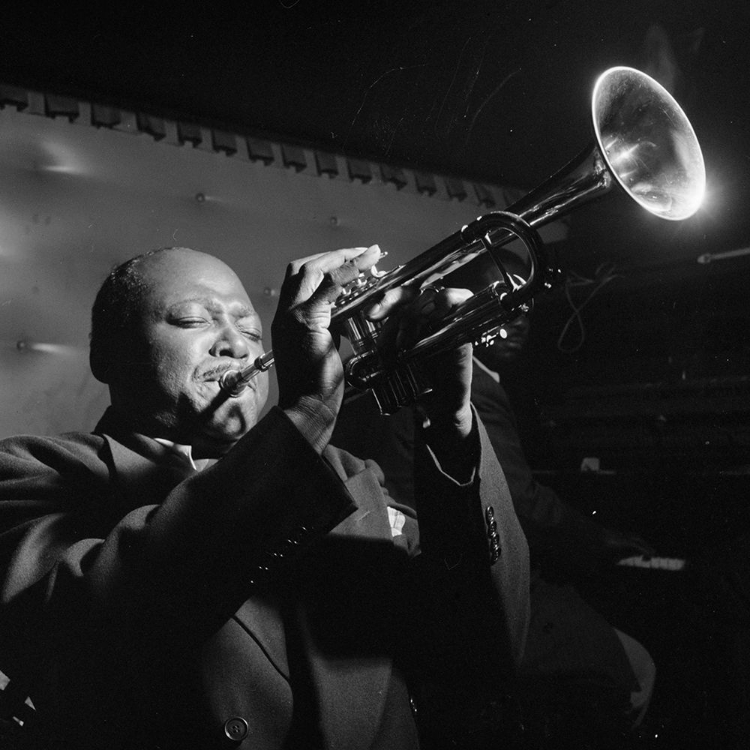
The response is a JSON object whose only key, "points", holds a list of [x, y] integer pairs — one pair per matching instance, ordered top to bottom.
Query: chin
{"points": [[216, 425], [229, 428], [214, 441]]}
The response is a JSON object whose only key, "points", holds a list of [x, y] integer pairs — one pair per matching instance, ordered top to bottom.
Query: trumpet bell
{"points": [[648, 143]]}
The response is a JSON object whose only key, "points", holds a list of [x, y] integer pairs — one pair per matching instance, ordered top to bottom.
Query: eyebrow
{"points": [[240, 311]]}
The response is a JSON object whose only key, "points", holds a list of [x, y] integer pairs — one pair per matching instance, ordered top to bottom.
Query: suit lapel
{"points": [[145, 473], [370, 520], [261, 617], [350, 688], [343, 691]]}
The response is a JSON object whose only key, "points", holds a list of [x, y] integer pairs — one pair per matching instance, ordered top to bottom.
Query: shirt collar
{"points": [[185, 454]]}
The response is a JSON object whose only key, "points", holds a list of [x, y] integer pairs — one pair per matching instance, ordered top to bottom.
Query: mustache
{"points": [[217, 371]]}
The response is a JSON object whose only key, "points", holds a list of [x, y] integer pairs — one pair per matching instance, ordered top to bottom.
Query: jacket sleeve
{"points": [[556, 531], [473, 546], [166, 571]]}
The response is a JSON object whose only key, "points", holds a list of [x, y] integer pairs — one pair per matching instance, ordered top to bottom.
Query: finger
{"points": [[362, 257], [369, 257], [331, 258], [332, 270], [348, 271], [304, 275], [337, 279], [447, 300], [391, 301], [435, 303], [430, 306]]}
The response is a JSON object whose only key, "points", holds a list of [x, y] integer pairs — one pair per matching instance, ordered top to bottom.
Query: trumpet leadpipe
{"points": [[234, 382]]}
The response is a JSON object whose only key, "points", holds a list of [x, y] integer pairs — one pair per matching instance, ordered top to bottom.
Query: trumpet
{"points": [[642, 143]]}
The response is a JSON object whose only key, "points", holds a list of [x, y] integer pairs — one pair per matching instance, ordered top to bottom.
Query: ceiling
{"points": [[497, 91]]}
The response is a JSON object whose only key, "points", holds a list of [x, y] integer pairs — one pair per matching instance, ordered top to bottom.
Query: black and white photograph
{"points": [[375, 375]]}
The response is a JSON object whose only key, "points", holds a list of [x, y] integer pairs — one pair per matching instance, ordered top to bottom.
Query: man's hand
{"points": [[411, 315], [308, 366]]}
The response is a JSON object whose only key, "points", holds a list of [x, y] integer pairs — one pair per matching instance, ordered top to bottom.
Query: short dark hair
{"points": [[115, 309]]}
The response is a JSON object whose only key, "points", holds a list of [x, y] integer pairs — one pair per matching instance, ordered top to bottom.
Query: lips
{"points": [[216, 373]]}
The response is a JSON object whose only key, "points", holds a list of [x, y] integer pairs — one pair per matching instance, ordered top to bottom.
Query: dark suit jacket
{"points": [[261, 603], [567, 637]]}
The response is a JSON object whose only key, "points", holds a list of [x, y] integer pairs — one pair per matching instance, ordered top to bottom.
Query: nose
{"points": [[230, 342]]}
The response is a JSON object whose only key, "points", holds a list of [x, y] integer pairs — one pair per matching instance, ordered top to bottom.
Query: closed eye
{"points": [[190, 322], [251, 334]]}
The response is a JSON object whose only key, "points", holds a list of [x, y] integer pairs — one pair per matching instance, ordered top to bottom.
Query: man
{"points": [[190, 575]]}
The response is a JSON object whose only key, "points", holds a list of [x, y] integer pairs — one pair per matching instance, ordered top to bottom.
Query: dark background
{"points": [[492, 90], [640, 356]]}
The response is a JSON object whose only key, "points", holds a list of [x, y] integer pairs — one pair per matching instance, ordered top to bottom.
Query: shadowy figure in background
{"points": [[567, 636], [583, 676]]}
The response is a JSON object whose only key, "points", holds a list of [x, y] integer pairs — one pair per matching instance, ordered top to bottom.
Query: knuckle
{"points": [[294, 267]]}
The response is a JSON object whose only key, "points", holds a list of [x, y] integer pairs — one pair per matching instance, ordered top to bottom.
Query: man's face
{"points": [[196, 322]]}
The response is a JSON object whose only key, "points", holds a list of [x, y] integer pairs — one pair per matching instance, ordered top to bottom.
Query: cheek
{"points": [[173, 367], [263, 388]]}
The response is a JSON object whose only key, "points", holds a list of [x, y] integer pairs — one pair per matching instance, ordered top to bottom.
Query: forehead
{"points": [[178, 275]]}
